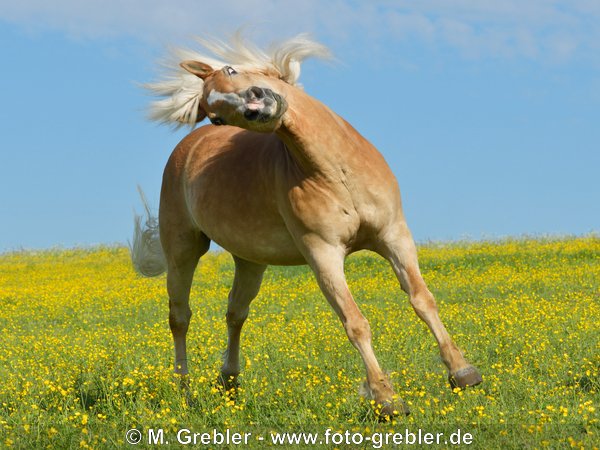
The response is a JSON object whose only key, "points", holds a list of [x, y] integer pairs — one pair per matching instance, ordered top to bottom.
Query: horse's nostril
{"points": [[257, 92], [217, 121]]}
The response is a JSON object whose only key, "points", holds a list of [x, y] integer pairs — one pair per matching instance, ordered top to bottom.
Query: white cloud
{"points": [[536, 29]]}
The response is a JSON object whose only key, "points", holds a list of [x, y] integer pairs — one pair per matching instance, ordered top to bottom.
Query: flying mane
{"points": [[180, 92]]}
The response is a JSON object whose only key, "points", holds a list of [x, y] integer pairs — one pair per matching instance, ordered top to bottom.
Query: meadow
{"points": [[86, 351]]}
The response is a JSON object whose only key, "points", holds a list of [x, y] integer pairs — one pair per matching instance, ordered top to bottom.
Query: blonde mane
{"points": [[180, 92]]}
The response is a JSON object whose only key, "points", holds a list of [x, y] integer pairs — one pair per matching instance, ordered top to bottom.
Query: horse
{"points": [[277, 178]]}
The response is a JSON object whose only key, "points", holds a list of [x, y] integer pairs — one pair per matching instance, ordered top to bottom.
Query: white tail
{"points": [[146, 251]]}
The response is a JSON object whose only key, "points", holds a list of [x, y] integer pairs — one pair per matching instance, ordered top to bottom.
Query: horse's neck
{"points": [[320, 141]]}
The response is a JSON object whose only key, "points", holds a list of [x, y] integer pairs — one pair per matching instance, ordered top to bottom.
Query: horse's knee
{"points": [[423, 302], [235, 319], [179, 320], [358, 330]]}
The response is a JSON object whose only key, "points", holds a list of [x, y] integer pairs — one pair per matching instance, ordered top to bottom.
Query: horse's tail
{"points": [[146, 251]]}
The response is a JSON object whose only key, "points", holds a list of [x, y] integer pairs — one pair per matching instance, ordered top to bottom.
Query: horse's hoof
{"points": [[469, 376], [184, 381], [228, 382], [184, 386], [190, 400], [391, 409]]}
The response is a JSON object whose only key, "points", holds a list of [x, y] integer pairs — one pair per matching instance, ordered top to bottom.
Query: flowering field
{"points": [[85, 349]]}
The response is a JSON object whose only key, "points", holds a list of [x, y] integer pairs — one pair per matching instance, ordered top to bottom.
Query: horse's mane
{"points": [[180, 92]]}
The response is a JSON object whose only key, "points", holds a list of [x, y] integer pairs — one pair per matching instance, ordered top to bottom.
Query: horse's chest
{"points": [[326, 209]]}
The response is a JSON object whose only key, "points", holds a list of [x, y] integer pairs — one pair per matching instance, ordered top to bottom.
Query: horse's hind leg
{"points": [[182, 250], [400, 250], [327, 263], [246, 284]]}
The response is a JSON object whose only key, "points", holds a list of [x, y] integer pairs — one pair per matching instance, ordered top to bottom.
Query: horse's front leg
{"points": [[400, 250], [182, 252], [327, 263], [246, 284]]}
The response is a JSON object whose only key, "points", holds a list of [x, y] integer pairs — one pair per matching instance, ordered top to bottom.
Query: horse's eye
{"points": [[230, 70]]}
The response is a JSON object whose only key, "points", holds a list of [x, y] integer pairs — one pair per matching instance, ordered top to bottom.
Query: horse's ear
{"points": [[197, 68]]}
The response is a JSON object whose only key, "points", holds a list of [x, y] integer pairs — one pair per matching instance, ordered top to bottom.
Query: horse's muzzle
{"points": [[262, 104]]}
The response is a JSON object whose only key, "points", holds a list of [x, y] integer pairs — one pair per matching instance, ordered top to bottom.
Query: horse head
{"points": [[234, 84], [250, 100]]}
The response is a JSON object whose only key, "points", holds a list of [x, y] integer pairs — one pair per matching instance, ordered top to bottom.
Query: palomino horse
{"points": [[281, 180]]}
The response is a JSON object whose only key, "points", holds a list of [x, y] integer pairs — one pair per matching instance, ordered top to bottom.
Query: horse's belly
{"points": [[263, 240]]}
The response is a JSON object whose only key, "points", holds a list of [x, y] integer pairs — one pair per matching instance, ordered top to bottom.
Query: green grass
{"points": [[85, 349]]}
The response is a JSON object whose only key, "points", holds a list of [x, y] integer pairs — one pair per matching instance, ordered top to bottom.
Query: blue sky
{"points": [[488, 112]]}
